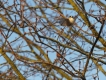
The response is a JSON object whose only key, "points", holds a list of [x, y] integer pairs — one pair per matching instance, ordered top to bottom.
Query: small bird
{"points": [[67, 21]]}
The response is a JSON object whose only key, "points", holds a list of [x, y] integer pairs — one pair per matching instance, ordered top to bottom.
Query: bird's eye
{"points": [[71, 16]]}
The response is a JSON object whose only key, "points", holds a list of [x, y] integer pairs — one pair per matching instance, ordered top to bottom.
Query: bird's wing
{"points": [[63, 22]]}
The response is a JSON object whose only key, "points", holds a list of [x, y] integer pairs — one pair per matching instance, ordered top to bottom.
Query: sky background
{"points": [[53, 55]]}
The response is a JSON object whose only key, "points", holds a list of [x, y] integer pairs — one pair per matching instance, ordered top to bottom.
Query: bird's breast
{"points": [[71, 20]]}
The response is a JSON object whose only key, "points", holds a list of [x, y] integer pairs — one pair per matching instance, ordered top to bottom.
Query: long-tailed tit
{"points": [[67, 21]]}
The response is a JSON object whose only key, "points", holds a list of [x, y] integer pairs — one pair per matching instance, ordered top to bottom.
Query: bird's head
{"points": [[71, 19]]}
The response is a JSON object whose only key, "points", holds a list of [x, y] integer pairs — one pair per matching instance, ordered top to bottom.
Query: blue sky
{"points": [[53, 55]]}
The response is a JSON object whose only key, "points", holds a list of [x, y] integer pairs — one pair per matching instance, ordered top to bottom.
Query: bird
{"points": [[67, 21]]}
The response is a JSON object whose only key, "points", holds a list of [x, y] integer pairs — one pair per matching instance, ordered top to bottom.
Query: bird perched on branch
{"points": [[67, 21]]}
